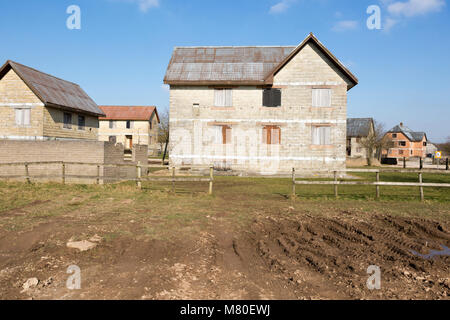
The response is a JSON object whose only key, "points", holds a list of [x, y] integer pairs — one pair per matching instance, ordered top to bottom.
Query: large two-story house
{"points": [[259, 110]]}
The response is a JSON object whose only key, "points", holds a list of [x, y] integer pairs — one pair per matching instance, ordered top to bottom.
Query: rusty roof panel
{"points": [[209, 64], [54, 91], [359, 127]]}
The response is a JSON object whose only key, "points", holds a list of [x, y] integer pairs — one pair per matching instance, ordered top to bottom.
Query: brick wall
{"points": [[192, 129]]}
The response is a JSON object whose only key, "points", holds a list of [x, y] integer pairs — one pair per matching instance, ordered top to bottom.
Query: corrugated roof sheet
{"points": [[233, 64], [53, 91], [137, 113], [358, 127], [411, 135]]}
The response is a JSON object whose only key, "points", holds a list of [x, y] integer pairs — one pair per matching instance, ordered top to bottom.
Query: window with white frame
{"points": [[223, 97], [321, 98], [23, 116], [112, 124], [321, 135]]}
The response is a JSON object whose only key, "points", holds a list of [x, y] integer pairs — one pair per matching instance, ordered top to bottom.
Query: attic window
{"points": [[272, 98]]}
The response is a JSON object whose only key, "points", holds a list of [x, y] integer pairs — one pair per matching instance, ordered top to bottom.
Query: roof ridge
{"points": [[252, 46], [47, 74]]}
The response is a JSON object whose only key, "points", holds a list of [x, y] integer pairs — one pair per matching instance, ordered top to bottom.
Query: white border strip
{"points": [[210, 157]]}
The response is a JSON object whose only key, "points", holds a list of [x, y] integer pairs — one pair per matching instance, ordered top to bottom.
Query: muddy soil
{"points": [[296, 256]]}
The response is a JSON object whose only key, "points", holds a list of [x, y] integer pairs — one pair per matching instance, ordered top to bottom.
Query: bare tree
{"points": [[163, 134], [376, 142]]}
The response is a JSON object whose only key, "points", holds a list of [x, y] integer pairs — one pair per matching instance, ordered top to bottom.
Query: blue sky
{"points": [[124, 46]]}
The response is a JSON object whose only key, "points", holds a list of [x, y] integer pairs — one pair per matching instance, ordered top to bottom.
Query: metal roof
{"points": [[233, 64], [238, 65], [52, 91], [137, 113], [359, 127], [411, 135]]}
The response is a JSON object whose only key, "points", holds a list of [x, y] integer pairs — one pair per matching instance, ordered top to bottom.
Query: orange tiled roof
{"points": [[137, 113]]}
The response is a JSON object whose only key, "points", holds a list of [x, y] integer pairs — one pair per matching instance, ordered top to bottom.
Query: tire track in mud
{"points": [[339, 249]]}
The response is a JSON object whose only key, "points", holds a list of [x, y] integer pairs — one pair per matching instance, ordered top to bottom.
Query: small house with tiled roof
{"points": [[38, 106], [259, 109], [130, 125], [406, 143]]}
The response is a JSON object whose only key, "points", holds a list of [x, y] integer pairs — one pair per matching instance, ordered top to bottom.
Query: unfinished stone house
{"points": [[37, 106], [258, 110], [130, 125], [358, 129]]}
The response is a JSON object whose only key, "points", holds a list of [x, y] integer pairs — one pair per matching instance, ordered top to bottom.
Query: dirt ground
{"points": [[158, 246]]}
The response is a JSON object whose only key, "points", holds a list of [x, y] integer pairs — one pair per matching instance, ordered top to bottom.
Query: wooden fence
{"points": [[140, 177], [377, 183]]}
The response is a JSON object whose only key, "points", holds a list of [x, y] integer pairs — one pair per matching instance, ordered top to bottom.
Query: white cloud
{"points": [[144, 5], [281, 6], [413, 8], [389, 23], [345, 25]]}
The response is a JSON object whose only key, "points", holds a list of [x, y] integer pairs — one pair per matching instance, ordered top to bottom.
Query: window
{"points": [[223, 97], [272, 98], [321, 98], [23, 117], [67, 120], [81, 122], [112, 124], [129, 124], [222, 134], [272, 135], [321, 135], [394, 136], [402, 143], [424, 144], [400, 152]]}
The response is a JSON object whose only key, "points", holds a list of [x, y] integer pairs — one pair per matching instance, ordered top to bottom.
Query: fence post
{"points": [[404, 162], [421, 164], [446, 164], [63, 172], [27, 173], [98, 174], [139, 174], [211, 179], [173, 180], [335, 184], [378, 187], [421, 187], [294, 193]]}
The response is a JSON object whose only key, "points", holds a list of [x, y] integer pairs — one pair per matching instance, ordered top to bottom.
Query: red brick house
{"points": [[406, 143]]}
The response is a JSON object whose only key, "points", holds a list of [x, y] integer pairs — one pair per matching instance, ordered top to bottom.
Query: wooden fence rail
{"points": [[98, 177], [377, 183]]}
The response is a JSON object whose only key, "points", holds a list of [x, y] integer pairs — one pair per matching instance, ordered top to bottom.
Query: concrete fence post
{"points": [[404, 162], [421, 164], [446, 164], [98, 174], [139, 175], [211, 179]]}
